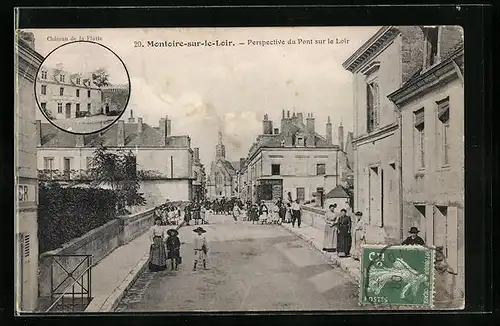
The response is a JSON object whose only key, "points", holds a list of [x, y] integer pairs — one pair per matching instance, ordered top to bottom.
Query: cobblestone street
{"points": [[251, 267]]}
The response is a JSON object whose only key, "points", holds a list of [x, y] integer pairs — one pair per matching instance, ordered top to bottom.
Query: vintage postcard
{"points": [[239, 169]]}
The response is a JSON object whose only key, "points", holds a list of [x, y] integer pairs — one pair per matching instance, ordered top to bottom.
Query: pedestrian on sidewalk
{"points": [[236, 212], [263, 212], [187, 213], [254, 213], [296, 213], [288, 214], [203, 215], [359, 235], [330, 237], [344, 238], [414, 239], [200, 247], [173, 248], [157, 251]]}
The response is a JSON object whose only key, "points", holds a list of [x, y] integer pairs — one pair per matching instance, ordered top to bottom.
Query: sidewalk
{"points": [[315, 237], [117, 272]]}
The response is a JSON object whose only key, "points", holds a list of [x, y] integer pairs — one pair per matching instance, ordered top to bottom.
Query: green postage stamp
{"points": [[397, 276]]}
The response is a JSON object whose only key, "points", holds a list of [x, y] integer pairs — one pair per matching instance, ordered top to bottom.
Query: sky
{"points": [[88, 57], [230, 88]]}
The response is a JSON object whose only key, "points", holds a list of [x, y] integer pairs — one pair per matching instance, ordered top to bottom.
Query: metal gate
{"points": [[74, 271]]}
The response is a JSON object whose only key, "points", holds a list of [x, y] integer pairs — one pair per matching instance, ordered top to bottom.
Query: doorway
{"points": [[68, 110], [301, 194], [376, 194]]}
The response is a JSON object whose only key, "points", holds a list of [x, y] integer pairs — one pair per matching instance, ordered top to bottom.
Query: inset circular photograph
{"points": [[82, 87]]}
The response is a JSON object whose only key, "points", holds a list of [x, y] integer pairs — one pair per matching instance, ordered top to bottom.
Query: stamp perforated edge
{"points": [[432, 291]]}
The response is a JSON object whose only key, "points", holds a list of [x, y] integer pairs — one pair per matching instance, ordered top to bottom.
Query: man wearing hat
{"points": [[414, 239], [200, 247], [174, 248]]}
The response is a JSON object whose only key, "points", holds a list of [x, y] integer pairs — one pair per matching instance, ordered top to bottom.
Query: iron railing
{"points": [[79, 297]]}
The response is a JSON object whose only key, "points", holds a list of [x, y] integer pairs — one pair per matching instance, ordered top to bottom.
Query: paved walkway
{"points": [[315, 237], [250, 268], [113, 269], [112, 276]]}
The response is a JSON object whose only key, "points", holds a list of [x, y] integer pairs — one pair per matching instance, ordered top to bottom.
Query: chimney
{"points": [[288, 114], [283, 115], [300, 117], [131, 119], [310, 123], [139, 125], [267, 126], [169, 127], [163, 130], [276, 131], [329, 131], [38, 133], [121, 133], [341, 137], [80, 141], [196, 154]]}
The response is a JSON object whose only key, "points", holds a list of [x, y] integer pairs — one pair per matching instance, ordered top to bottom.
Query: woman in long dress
{"points": [[236, 212], [359, 235], [330, 238], [344, 238], [157, 251]]}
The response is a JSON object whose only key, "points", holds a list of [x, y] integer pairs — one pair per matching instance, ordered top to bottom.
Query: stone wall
{"points": [[314, 217], [136, 224], [99, 242]]}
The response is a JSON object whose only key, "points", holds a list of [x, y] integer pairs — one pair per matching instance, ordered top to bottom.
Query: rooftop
{"points": [[52, 137]]}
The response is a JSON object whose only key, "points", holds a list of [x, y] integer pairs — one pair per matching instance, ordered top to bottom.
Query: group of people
{"points": [[225, 206], [196, 211], [339, 231], [166, 245]]}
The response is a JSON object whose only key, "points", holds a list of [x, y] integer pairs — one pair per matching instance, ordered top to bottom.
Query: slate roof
{"points": [[52, 137], [337, 192]]}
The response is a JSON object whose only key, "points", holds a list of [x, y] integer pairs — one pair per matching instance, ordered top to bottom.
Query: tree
{"points": [[100, 77], [117, 169]]}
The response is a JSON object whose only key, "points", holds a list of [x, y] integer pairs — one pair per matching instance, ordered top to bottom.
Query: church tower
{"points": [[220, 149]]}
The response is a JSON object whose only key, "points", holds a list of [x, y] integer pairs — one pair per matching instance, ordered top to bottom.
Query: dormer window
{"points": [[431, 53], [44, 74], [61, 78], [78, 80], [300, 141]]}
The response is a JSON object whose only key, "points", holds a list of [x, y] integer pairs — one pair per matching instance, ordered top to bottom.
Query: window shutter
{"points": [[376, 104], [443, 110], [419, 118], [366, 206], [381, 211], [26, 245]]}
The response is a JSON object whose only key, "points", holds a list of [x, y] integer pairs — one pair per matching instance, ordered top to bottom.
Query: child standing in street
{"points": [[200, 247], [173, 248]]}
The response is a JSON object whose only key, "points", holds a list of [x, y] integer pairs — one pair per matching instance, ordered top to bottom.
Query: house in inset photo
{"points": [[82, 92]]}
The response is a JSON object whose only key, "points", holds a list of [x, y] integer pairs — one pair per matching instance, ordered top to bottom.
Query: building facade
{"points": [[381, 65], [64, 95], [432, 122], [294, 158], [166, 161], [222, 178], [26, 223]]}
